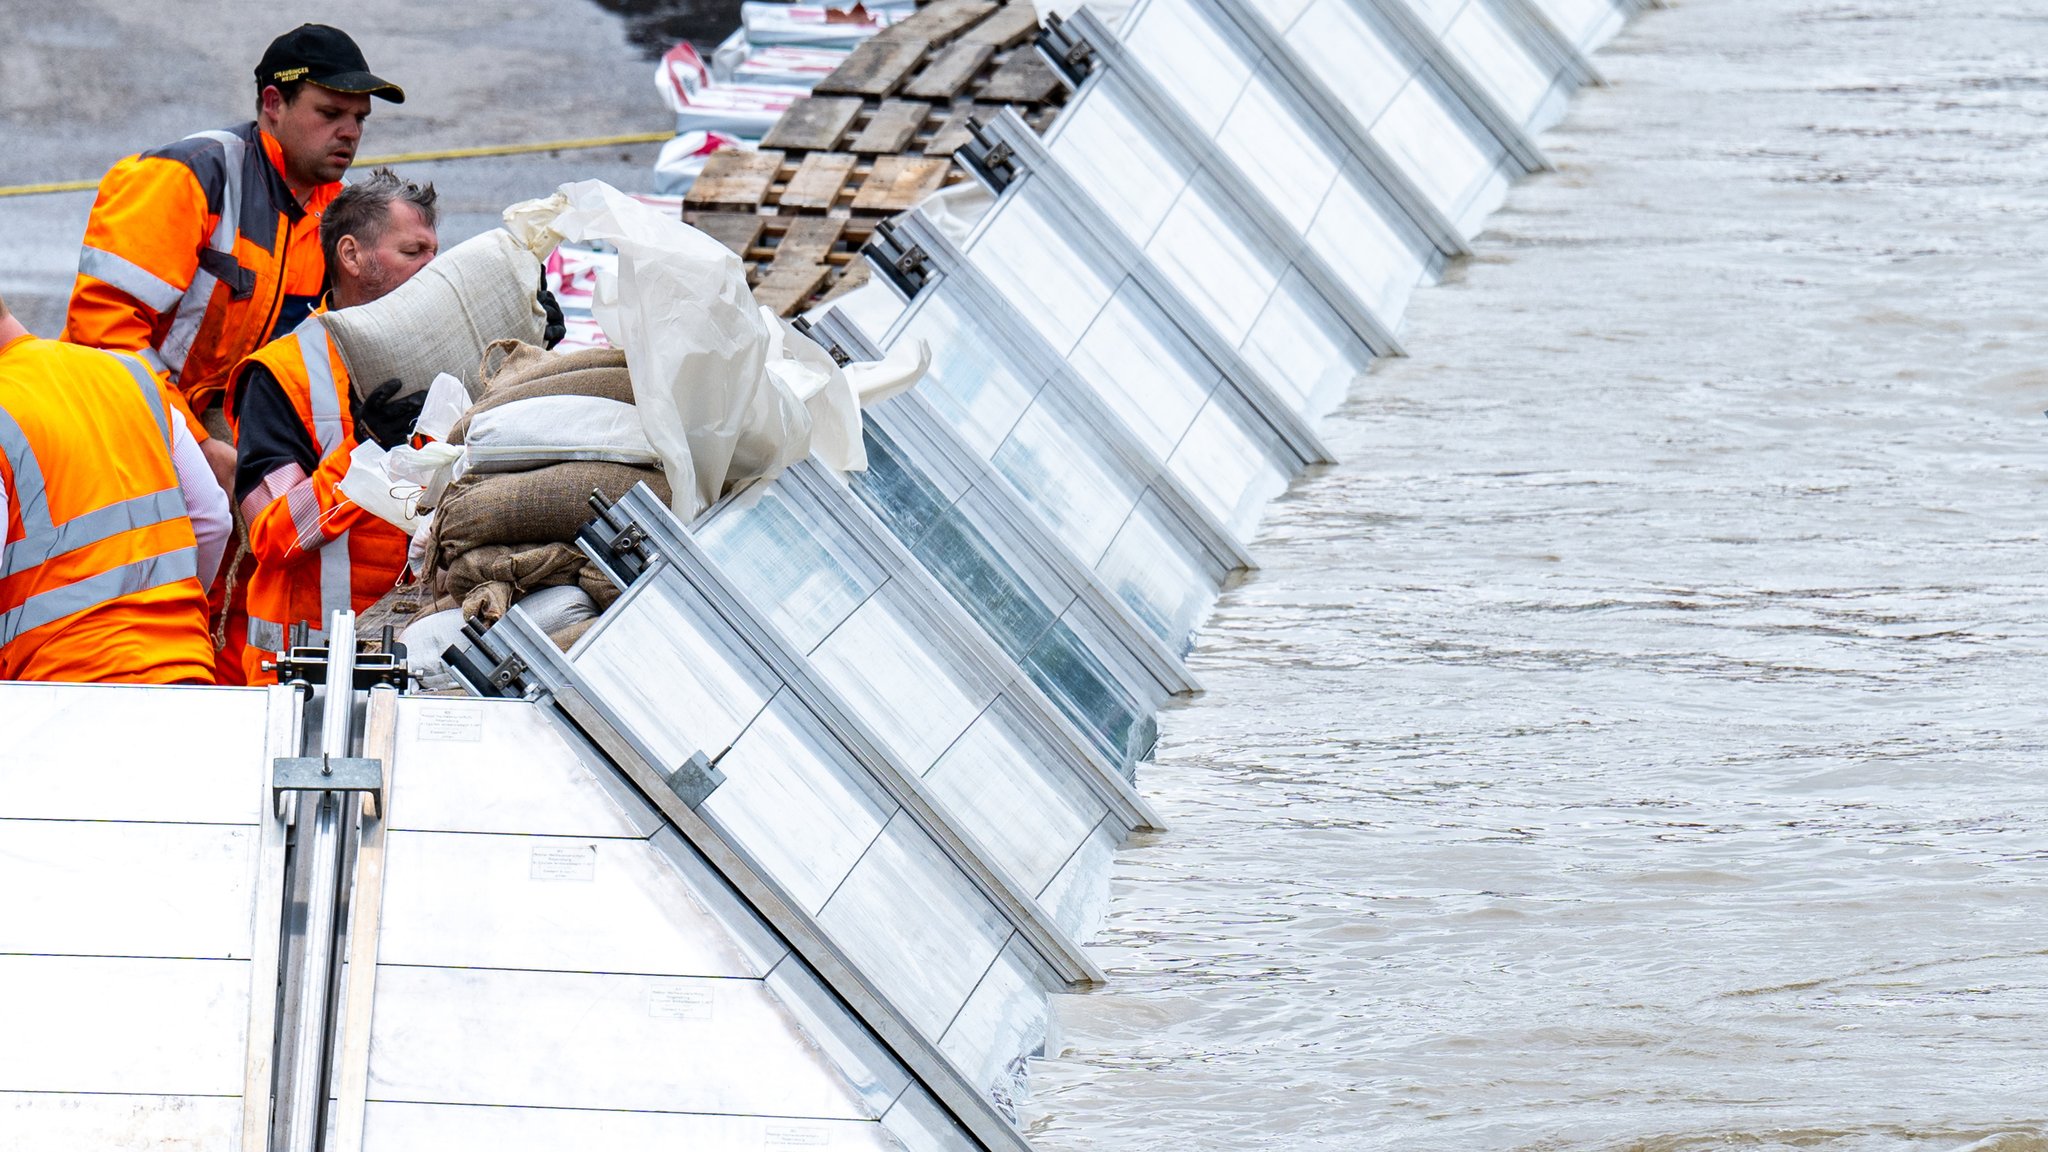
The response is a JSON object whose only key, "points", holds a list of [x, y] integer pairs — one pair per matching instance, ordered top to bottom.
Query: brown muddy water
{"points": [[1636, 742]]}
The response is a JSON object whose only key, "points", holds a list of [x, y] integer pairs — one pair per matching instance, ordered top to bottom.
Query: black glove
{"points": [[552, 308], [386, 417]]}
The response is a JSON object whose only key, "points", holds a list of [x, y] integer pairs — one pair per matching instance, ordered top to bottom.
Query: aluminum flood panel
{"points": [[1502, 56], [1248, 93], [1391, 99], [1174, 208], [1377, 231], [1140, 346], [1019, 406], [1049, 612], [953, 708], [802, 807], [140, 890], [556, 967]]}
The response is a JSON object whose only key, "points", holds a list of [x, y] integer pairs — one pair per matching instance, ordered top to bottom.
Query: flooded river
{"points": [[1636, 741]]}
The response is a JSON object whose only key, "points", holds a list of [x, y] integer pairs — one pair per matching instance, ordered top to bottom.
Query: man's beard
{"points": [[375, 280]]}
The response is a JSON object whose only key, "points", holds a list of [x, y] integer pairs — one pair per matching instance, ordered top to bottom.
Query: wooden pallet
{"points": [[874, 138]]}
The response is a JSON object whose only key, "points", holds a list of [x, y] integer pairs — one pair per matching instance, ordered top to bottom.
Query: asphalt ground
{"points": [[87, 82]]}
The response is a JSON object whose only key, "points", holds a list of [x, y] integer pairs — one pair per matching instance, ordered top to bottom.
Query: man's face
{"points": [[318, 131], [370, 270]]}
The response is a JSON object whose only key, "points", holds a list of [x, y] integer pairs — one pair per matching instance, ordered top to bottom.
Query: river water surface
{"points": [[1636, 742]]}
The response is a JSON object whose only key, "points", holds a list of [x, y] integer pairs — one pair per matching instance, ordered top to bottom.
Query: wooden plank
{"points": [[938, 23], [1007, 27], [875, 68], [950, 71], [1025, 78], [814, 123], [892, 127], [953, 133], [734, 177], [818, 180], [899, 182], [736, 230], [809, 240], [855, 275], [787, 287]]}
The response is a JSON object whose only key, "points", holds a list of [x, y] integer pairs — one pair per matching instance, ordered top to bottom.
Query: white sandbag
{"points": [[443, 318], [551, 429], [554, 609], [426, 641]]}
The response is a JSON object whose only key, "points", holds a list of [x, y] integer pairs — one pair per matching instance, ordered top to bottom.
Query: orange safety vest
{"points": [[189, 254], [316, 551], [99, 573]]}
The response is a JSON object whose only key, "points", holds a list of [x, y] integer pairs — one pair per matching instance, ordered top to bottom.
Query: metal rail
{"points": [[322, 846]]}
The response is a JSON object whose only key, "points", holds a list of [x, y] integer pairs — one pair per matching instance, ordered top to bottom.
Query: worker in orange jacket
{"points": [[200, 252], [111, 523], [315, 551]]}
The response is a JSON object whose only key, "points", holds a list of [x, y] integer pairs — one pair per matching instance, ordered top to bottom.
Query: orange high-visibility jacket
{"points": [[189, 255], [316, 551], [99, 573]]}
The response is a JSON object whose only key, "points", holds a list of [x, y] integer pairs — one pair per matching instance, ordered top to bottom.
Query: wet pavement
{"points": [[83, 84]]}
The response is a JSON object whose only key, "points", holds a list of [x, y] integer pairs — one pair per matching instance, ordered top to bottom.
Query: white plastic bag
{"points": [[956, 210], [695, 345], [815, 379], [874, 381], [446, 401], [432, 468], [369, 483]]}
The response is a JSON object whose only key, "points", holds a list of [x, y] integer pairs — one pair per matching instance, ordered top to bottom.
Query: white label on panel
{"points": [[451, 722], [578, 862], [680, 1003], [794, 1136]]}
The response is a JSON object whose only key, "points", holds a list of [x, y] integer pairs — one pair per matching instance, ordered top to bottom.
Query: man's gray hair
{"points": [[363, 207]]}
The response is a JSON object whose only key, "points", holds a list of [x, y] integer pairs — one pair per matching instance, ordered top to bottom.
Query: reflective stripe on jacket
{"points": [[190, 253], [316, 552], [99, 575]]}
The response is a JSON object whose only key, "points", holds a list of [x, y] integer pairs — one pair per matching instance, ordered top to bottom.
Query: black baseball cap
{"points": [[325, 56]]}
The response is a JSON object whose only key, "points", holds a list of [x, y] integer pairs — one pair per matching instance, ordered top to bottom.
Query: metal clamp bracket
{"points": [[1070, 52], [993, 161], [904, 262], [839, 355], [619, 545], [306, 663], [479, 663], [325, 773]]}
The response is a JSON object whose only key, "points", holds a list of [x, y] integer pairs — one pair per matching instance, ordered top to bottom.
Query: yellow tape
{"points": [[403, 158]]}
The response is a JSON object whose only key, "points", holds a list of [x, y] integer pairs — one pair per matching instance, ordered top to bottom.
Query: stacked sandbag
{"points": [[548, 430]]}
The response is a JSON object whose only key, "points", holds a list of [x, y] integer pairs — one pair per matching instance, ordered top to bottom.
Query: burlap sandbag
{"points": [[474, 294], [510, 363], [528, 374], [547, 505], [522, 567]]}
